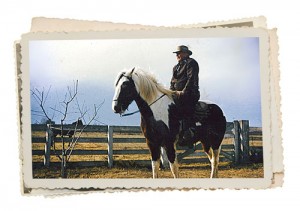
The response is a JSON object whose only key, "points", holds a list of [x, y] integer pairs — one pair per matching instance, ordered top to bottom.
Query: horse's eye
{"points": [[125, 84]]}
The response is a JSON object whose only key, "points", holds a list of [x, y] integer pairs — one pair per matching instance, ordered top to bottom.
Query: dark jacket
{"points": [[185, 78]]}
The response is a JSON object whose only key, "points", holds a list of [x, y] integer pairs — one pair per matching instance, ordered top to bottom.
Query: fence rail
{"points": [[237, 151]]}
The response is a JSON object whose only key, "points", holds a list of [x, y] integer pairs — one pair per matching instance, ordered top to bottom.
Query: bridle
{"points": [[137, 111]]}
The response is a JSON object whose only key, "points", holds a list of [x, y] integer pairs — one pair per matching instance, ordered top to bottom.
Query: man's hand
{"points": [[177, 94]]}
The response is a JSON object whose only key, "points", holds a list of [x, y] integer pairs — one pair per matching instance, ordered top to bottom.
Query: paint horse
{"points": [[160, 119]]}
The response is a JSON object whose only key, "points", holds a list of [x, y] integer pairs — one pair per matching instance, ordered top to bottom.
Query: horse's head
{"points": [[125, 92]]}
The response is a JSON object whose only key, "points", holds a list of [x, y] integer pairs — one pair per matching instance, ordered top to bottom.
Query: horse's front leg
{"points": [[171, 153], [164, 158], [155, 159], [155, 168], [175, 168]]}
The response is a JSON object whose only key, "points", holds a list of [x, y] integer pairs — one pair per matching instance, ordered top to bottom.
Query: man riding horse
{"points": [[185, 82]]}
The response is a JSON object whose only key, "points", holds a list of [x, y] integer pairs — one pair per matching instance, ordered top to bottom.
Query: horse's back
{"points": [[209, 112]]}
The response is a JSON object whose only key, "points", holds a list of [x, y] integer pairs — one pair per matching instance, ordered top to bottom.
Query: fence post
{"points": [[244, 124], [49, 140], [237, 141], [110, 142]]}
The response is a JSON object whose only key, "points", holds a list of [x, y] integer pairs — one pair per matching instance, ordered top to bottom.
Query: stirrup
{"points": [[189, 134], [185, 141]]}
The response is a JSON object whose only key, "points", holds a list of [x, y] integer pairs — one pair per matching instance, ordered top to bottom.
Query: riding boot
{"points": [[188, 132]]}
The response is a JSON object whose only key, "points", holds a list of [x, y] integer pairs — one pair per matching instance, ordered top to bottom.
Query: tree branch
{"points": [[39, 97], [72, 97], [75, 139]]}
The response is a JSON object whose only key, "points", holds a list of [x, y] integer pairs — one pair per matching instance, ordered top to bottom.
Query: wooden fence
{"points": [[235, 148]]}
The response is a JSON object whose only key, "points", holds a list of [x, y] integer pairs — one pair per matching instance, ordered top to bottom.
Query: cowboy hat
{"points": [[183, 48]]}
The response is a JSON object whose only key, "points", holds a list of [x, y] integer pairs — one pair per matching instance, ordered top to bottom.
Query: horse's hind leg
{"points": [[213, 156], [215, 163]]}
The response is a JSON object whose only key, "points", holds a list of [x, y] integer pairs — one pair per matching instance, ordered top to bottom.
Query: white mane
{"points": [[147, 85]]}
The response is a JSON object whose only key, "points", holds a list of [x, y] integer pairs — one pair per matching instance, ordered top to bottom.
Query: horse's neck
{"points": [[143, 106], [158, 108]]}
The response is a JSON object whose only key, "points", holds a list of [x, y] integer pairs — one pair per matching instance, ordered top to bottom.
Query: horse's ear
{"points": [[132, 71]]}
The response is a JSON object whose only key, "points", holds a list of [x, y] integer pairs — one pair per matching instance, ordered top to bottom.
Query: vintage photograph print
{"points": [[136, 109]]}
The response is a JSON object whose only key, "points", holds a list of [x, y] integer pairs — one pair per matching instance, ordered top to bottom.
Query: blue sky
{"points": [[229, 72]]}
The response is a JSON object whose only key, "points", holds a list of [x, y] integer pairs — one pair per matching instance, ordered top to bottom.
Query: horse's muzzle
{"points": [[117, 108]]}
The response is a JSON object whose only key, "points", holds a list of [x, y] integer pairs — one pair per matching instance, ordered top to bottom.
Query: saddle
{"points": [[202, 112], [200, 118]]}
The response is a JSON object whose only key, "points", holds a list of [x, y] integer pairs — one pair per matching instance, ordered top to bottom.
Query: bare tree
{"points": [[70, 97], [41, 98]]}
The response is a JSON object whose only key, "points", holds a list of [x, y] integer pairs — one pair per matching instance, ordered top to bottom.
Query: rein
{"points": [[137, 111]]}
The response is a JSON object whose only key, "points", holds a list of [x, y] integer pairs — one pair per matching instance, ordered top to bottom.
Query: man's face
{"points": [[181, 55]]}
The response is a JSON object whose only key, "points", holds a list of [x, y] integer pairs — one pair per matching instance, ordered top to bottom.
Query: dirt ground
{"points": [[226, 170]]}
